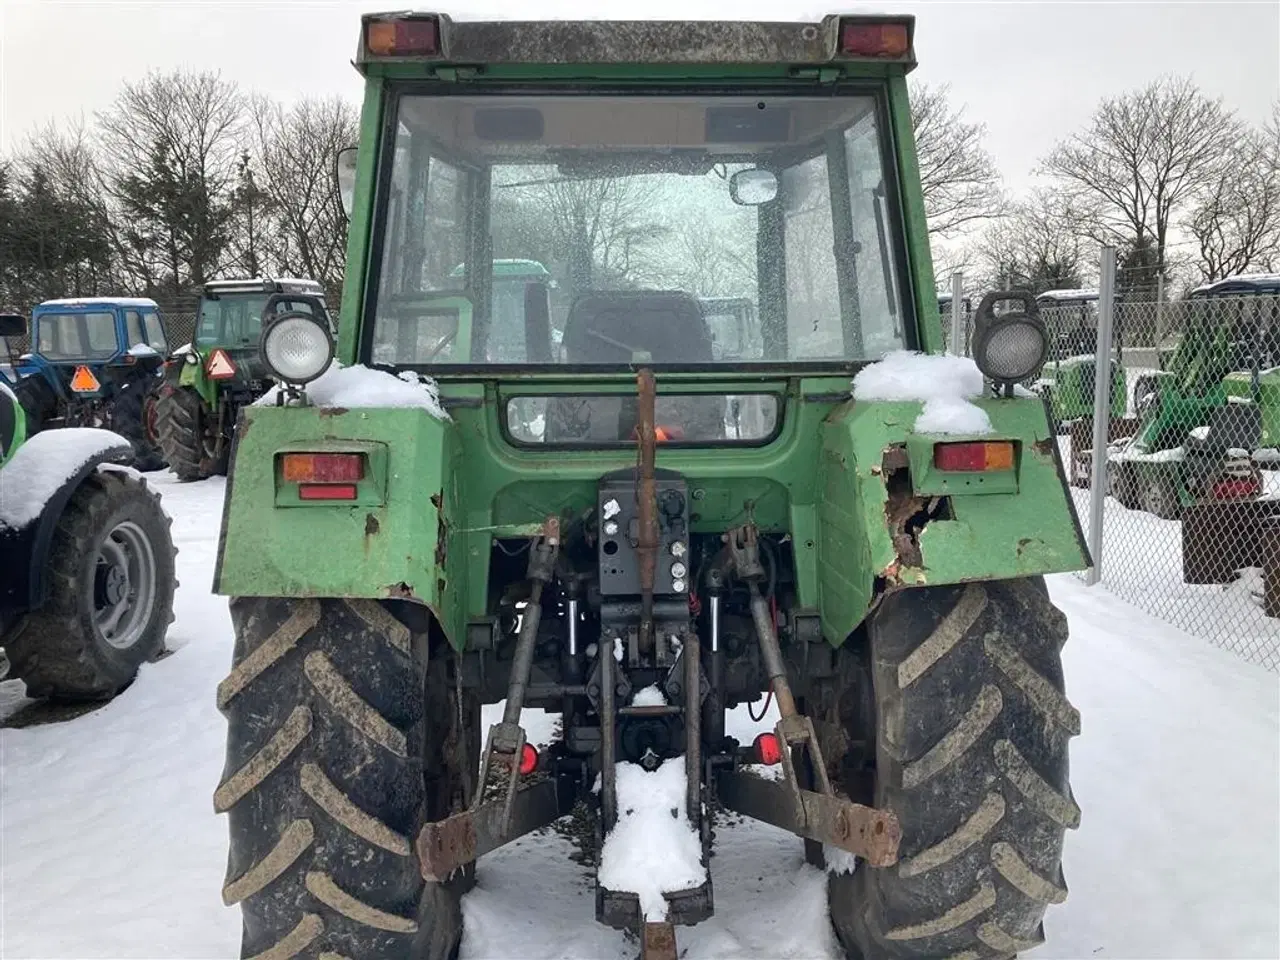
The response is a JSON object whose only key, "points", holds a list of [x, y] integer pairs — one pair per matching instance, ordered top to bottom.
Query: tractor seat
{"points": [[616, 327], [1233, 426]]}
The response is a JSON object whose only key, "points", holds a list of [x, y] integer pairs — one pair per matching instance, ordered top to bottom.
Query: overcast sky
{"points": [[1031, 71]]}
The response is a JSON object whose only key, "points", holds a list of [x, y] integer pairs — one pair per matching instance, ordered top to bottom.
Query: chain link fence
{"points": [[1191, 510]]}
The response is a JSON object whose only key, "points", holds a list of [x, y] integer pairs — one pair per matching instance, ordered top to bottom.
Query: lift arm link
{"points": [[867, 832], [448, 844]]}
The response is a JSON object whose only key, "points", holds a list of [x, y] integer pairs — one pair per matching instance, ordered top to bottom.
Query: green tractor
{"points": [[1068, 378], [209, 380], [1210, 420], [869, 555], [87, 592]]}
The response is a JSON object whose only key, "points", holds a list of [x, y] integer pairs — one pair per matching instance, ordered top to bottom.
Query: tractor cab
{"points": [[231, 313], [1072, 319], [735, 327], [94, 362], [630, 500]]}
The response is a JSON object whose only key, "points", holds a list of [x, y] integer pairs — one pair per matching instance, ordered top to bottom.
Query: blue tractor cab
{"points": [[95, 362]]}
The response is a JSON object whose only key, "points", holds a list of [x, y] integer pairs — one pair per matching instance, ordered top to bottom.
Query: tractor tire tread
{"points": [[56, 650], [330, 735], [971, 755]]}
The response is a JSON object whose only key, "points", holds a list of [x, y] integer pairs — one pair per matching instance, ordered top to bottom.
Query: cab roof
{"points": [[437, 37], [1241, 283], [264, 285], [90, 302]]}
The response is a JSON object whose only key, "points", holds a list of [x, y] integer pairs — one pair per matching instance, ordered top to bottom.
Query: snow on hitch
{"points": [[653, 848]]}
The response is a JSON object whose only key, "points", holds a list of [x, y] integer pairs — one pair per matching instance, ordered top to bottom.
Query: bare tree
{"points": [[296, 149], [171, 150], [1144, 155], [957, 175], [1236, 220], [1035, 247]]}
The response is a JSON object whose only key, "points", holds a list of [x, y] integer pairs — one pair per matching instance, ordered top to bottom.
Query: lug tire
{"points": [[37, 399], [129, 414], [186, 437], [1124, 485], [1159, 497], [59, 650], [964, 687], [342, 741]]}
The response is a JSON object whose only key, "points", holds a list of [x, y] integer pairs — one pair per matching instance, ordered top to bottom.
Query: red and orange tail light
{"points": [[982, 457], [324, 476]]}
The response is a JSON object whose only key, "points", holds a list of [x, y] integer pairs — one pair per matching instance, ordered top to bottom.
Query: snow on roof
{"points": [[1081, 294], [100, 301], [943, 384], [360, 387], [44, 463], [652, 849]]}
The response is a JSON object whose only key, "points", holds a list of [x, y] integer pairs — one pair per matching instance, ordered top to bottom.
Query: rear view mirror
{"points": [[345, 173], [751, 188], [12, 325]]}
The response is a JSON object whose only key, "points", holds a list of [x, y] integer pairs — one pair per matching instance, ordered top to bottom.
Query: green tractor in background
{"points": [[1068, 379], [209, 380], [1210, 421], [398, 550], [86, 595]]}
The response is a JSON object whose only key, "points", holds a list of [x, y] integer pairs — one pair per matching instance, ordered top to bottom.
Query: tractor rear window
{"points": [[604, 231], [76, 336], [602, 420]]}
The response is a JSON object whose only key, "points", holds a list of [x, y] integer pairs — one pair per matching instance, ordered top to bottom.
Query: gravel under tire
{"points": [[182, 417], [128, 418], [57, 650], [972, 729], [342, 741]]}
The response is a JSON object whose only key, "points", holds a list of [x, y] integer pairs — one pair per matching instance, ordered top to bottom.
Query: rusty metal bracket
{"points": [[867, 832], [448, 844], [658, 942]]}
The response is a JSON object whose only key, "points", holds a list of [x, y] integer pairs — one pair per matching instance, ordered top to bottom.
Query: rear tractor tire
{"points": [[134, 416], [188, 432], [110, 598], [963, 686], [343, 739]]}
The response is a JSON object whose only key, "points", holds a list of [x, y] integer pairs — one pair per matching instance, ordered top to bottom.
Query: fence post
{"points": [[1159, 314], [957, 324], [1101, 408]]}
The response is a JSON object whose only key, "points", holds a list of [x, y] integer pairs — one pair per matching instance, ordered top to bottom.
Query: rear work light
{"points": [[402, 37], [861, 39], [973, 457], [322, 468], [327, 491]]}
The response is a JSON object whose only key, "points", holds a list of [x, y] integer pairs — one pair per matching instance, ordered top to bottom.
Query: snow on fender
{"points": [[944, 384], [45, 462]]}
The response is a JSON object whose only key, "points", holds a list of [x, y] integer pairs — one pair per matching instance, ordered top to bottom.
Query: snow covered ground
{"points": [[109, 847]]}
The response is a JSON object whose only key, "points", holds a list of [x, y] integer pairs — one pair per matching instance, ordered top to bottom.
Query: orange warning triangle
{"points": [[220, 366], [83, 381]]}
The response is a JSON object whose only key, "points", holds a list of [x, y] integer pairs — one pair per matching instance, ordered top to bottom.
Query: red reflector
{"points": [[402, 38], [874, 39], [973, 457], [322, 467], [1238, 488], [327, 491], [768, 749], [528, 760]]}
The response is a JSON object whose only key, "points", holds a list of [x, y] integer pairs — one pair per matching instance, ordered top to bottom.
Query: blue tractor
{"points": [[94, 362]]}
